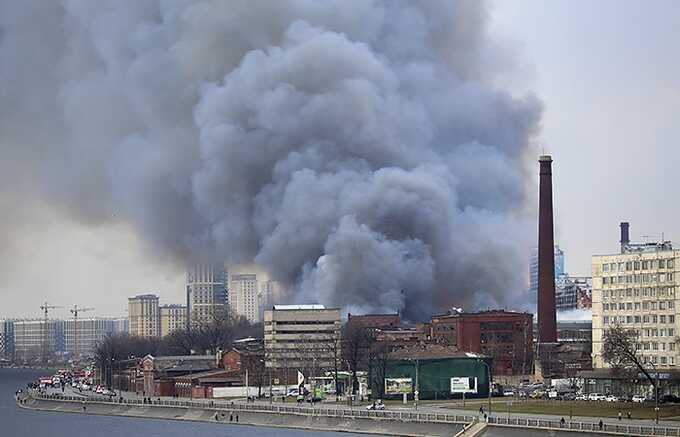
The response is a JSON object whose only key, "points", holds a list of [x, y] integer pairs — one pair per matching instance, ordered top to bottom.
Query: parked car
{"points": [[508, 392], [293, 393], [568, 396], [581, 397], [594, 397], [611, 398], [669, 398], [638, 399]]}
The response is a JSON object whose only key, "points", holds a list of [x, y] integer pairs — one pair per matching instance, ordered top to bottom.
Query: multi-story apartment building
{"points": [[206, 287], [637, 289], [244, 296], [144, 315], [173, 317], [89, 332], [303, 337], [7, 339], [35, 339]]}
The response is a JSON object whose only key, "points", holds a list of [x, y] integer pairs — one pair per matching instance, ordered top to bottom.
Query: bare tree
{"points": [[357, 340], [619, 350], [378, 359], [257, 373]]}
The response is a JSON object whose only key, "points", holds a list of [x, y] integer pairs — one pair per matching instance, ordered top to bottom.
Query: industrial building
{"points": [[636, 288], [207, 291], [573, 292], [144, 314], [173, 317], [505, 336], [303, 337], [435, 372]]}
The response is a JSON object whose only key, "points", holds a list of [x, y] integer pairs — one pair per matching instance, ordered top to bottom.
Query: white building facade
{"points": [[638, 290]]}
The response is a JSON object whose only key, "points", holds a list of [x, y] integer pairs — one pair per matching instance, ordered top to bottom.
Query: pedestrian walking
{"points": [[481, 409], [620, 415], [628, 415], [231, 417], [236, 417], [562, 421], [600, 424]]}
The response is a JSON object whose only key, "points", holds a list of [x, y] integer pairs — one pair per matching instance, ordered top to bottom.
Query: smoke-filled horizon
{"points": [[358, 151]]}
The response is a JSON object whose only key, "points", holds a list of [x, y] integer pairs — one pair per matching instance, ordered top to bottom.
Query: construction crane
{"points": [[45, 307], [75, 311]]}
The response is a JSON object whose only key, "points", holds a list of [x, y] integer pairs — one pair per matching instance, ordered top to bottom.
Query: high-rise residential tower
{"points": [[206, 287], [244, 296], [144, 314], [173, 317]]}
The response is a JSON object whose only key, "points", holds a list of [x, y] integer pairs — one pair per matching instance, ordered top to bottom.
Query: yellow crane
{"points": [[45, 307], [75, 311]]}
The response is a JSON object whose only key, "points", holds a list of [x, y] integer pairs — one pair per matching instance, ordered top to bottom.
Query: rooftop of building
{"points": [[144, 296], [299, 307], [457, 312], [432, 352]]}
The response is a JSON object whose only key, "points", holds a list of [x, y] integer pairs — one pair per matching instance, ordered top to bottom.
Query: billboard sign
{"points": [[464, 384], [395, 386]]}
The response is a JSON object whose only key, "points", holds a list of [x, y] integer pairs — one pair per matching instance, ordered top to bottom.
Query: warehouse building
{"points": [[435, 372]]}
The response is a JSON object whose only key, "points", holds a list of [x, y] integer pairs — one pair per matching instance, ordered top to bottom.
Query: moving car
{"points": [[611, 398], [638, 399]]}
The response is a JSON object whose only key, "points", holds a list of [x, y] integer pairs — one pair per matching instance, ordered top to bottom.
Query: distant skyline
{"points": [[607, 73]]}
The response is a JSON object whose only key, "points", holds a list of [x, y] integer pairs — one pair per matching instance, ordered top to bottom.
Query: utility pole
{"points": [[75, 310], [45, 339]]}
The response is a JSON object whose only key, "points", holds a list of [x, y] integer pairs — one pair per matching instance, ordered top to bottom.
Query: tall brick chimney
{"points": [[547, 319]]}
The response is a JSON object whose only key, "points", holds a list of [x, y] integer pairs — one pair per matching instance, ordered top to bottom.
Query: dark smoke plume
{"points": [[358, 150]]}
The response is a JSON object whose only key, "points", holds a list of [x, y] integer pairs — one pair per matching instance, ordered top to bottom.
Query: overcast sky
{"points": [[608, 73]]}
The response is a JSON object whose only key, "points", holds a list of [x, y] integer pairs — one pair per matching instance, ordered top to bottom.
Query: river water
{"points": [[16, 422]]}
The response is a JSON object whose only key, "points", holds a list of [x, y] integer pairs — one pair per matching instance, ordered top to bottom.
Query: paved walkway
{"points": [[448, 408]]}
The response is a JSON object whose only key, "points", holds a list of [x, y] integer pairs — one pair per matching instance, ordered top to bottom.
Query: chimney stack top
{"points": [[545, 158]]}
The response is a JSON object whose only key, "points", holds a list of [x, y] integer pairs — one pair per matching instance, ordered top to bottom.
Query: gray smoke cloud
{"points": [[358, 150]]}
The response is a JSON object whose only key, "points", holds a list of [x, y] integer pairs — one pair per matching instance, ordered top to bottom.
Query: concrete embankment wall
{"points": [[281, 420]]}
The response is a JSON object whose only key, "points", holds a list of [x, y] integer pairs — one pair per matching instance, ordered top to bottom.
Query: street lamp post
{"points": [[656, 392]]}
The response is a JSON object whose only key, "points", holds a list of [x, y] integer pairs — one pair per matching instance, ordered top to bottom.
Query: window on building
{"points": [[662, 263], [669, 264], [629, 265], [636, 265], [645, 265], [605, 267], [613, 267], [605, 280], [605, 293], [671, 304], [629, 305], [645, 305], [652, 305], [622, 306], [637, 306], [605, 319], [637, 319], [645, 319], [654, 319], [662, 319], [671, 319], [662, 332], [646, 345], [655, 346], [671, 346], [663, 360], [671, 361]]}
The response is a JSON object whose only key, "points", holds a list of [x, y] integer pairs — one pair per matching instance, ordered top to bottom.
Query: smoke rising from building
{"points": [[358, 151]]}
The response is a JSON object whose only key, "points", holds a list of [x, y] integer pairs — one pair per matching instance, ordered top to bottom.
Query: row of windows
{"points": [[651, 264], [643, 278], [637, 292], [637, 306], [653, 318], [654, 346], [663, 360]]}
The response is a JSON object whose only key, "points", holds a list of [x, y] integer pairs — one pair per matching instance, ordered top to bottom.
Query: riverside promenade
{"points": [[327, 417]]}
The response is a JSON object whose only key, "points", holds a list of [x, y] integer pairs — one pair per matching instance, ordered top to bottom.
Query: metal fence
{"points": [[404, 416]]}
